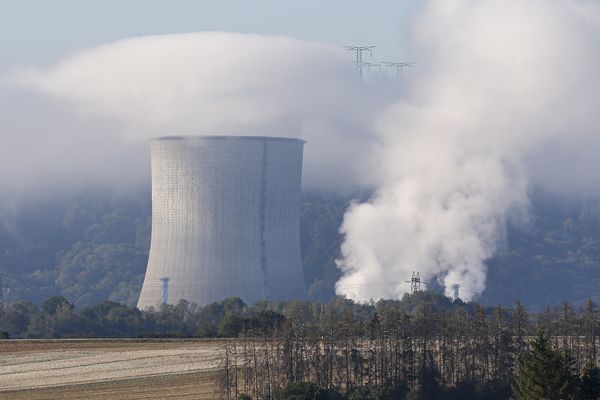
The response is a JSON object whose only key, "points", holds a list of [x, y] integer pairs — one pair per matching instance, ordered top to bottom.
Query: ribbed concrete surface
{"points": [[225, 219]]}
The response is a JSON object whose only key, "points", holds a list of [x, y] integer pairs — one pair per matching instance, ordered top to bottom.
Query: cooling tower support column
{"points": [[225, 220]]}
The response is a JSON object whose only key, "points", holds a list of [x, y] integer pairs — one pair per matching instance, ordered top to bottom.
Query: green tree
{"points": [[56, 304], [18, 318], [267, 321], [231, 326], [544, 374], [429, 380], [589, 388], [305, 391], [368, 393]]}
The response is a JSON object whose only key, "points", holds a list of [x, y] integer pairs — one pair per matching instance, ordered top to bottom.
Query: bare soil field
{"points": [[109, 369]]}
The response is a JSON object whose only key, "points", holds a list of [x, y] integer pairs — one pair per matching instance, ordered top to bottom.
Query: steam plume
{"points": [[498, 81]]}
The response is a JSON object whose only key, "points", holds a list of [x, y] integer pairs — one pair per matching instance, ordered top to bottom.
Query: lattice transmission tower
{"points": [[359, 50], [399, 66], [415, 282]]}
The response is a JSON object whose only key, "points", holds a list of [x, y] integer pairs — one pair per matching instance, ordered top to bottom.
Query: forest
{"points": [[92, 246], [424, 346], [436, 351]]}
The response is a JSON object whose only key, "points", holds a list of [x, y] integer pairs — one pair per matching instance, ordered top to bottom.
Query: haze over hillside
{"points": [[94, 246]]}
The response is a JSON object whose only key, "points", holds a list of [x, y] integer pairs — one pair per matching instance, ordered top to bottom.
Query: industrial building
{"points": [[225, 220]]}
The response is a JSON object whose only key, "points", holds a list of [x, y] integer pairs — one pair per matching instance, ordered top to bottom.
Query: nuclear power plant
{"points": [[225, 220]]}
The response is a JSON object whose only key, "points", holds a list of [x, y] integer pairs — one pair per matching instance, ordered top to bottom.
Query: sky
{"points": [[44, 32]]}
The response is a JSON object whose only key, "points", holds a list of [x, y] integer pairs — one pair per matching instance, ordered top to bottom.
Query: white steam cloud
{"points": [[498, 82], [221, 83], [504, 94]]}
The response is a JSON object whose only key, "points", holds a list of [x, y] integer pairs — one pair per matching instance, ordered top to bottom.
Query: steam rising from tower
{"points": [[225, 219]]}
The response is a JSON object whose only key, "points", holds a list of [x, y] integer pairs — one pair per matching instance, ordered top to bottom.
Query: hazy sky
{"points": [[43, 32]]}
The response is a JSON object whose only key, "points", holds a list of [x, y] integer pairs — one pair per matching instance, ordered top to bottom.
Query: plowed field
{"points": [[108, 369]]}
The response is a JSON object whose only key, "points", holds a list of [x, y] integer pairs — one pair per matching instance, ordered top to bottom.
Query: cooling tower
{"points": [[225, 220]]}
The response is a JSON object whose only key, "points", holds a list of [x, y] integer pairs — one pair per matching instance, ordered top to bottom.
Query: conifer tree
{"points": [[544, 374], [590, 383]]}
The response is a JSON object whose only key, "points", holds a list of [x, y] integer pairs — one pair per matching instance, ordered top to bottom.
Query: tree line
{"points": [[58, 318], [422, 346], [433, 350]]}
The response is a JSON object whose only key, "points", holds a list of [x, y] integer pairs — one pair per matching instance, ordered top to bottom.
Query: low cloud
{"points": [[222, 83]]}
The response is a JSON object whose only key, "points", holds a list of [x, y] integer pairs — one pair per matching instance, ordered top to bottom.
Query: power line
{"points": [[371, 65], [399, 66], [75, 314], [48, 318]]}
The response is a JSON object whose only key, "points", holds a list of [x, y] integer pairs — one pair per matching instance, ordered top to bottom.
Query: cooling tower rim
{"points": [[225, 137]]}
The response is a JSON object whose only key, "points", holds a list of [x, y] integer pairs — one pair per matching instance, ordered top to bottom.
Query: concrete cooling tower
{"points": [[225, 220]]}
